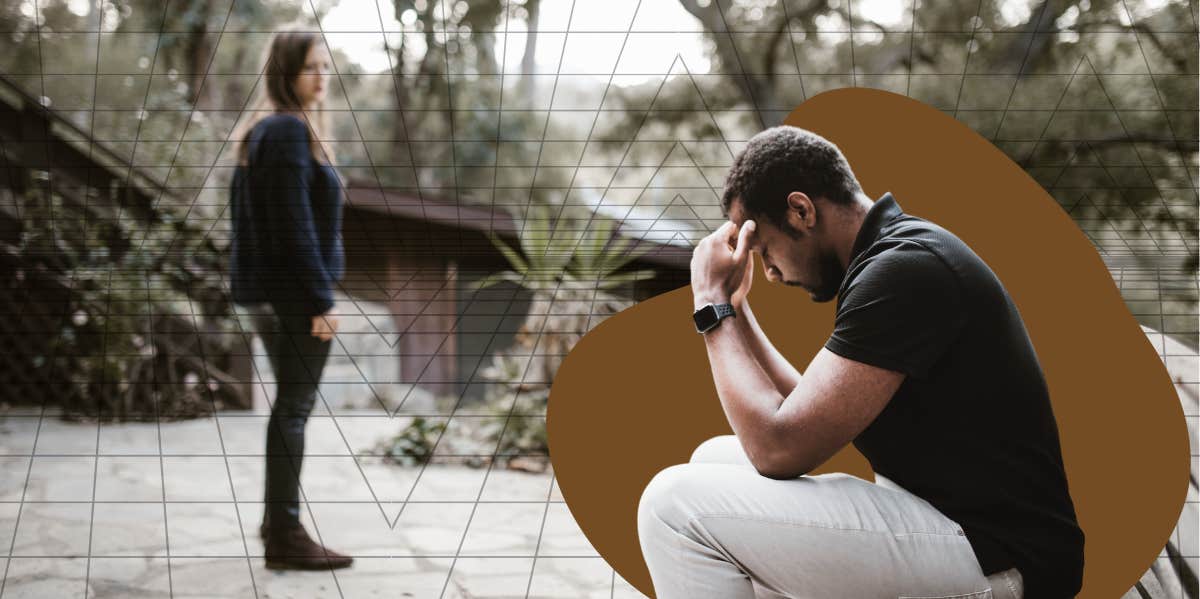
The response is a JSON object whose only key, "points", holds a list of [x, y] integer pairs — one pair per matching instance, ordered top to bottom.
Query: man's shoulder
{"points": [[919, 243], [908, 248], [913, 258], [925, 258]]}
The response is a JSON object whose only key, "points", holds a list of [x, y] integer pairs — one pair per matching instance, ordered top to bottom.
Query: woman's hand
{"points": [[324, 325]]}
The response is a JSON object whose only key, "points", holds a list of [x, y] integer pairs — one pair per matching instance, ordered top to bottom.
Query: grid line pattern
{"points": [[464, 532]]}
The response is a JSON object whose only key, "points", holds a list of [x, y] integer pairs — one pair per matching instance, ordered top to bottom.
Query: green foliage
{"points": [[567, 248], [601, 253], [571, 263], [125, 340], [413, 445]]}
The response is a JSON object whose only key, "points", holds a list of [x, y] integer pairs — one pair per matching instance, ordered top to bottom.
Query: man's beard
{"points": [[831, 275]]}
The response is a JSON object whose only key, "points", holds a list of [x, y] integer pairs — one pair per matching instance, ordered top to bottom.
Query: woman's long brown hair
{"points": [[283, 62]]}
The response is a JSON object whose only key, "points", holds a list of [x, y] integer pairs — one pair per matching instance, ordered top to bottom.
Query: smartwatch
{"points": [[708, 317]]}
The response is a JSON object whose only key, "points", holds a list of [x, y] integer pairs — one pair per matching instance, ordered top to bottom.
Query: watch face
{"points": [[705, 318]]}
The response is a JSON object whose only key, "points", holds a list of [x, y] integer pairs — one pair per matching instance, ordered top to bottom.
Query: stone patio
{"points": [[182, 521]]}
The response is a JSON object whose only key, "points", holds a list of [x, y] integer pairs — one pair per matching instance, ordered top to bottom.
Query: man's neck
{"points": [[852, 220]]}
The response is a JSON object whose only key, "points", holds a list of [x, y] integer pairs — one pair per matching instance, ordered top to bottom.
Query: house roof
{"points": [[398, 204]]}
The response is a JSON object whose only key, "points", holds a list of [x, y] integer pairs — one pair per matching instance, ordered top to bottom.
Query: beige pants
{"points": [[715, 527]]}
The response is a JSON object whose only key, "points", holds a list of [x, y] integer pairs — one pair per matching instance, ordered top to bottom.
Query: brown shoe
{"points": [[293, 549]]}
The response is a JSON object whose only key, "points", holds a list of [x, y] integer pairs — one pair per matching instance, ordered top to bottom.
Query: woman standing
{"points": [[286, 202]]}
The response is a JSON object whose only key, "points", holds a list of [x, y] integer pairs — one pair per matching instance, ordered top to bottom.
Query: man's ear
{"points": [[801, 213]]}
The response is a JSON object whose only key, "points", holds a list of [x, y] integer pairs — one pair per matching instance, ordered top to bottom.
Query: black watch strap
{"points": [[723, 310], [708, 317]]}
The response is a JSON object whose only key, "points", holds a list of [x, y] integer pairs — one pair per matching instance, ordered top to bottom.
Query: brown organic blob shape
{"points": [[636, 394]]}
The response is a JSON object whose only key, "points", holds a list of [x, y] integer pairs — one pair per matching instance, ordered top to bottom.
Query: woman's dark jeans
{"points": [[297, 359]]}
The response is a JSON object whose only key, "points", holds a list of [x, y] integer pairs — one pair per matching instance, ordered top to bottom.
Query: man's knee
{"points": [[722, 449], [665, 500]]}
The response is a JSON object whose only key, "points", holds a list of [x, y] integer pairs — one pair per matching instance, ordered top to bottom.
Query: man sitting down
{"points": [[929, 372]]}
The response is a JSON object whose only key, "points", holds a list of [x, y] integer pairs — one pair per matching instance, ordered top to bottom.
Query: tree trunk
{"points": [[1035, 39], [200, 50], [529, 58], [485, 59], [235, 89], [400, 93]]}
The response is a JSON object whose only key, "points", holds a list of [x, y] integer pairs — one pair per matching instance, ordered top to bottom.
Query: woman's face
{"points": [[313, 80]]}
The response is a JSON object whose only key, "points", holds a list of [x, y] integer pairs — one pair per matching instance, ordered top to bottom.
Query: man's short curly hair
{"points": [[784, 159]]}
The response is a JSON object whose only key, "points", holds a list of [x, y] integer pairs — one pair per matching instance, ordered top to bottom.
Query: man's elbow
{"points": [[780, 463]]}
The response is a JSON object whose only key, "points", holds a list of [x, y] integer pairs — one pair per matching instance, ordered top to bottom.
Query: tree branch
{"points": [[1029, 47], [1179, 62], [758, 91]]}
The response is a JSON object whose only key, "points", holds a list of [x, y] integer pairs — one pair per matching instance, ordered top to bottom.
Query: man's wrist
{"points": [[700, 300], [709, 316]]}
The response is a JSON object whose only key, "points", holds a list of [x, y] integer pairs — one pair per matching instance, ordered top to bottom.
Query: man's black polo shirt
{"points": [[970, 429]]}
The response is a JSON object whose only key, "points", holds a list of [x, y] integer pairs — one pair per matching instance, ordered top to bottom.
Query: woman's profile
{"points": [[286, 206]]}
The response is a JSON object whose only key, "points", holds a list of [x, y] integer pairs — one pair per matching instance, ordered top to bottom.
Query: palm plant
{"points": [[573, 265]]}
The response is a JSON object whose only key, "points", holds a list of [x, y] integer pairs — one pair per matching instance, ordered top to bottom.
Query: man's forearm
{"points": [[783, 375], [752, 377], [748, 396]]}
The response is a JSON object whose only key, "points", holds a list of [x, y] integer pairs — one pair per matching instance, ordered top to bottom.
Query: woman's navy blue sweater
{"points": [[287, 219]]}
